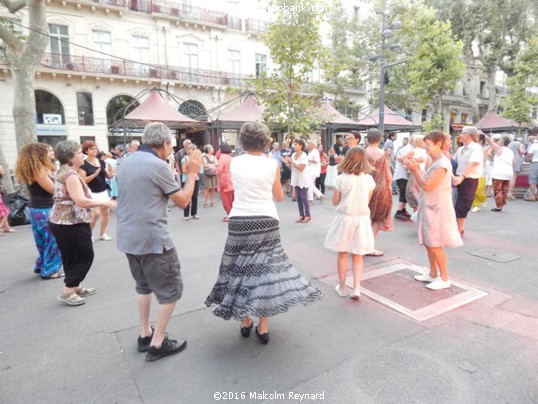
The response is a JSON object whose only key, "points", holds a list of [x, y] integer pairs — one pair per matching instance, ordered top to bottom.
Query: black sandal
{"points": [[245, 331]]}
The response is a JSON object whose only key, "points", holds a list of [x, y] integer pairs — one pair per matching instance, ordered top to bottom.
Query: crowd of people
{"points": [[75, 185]]}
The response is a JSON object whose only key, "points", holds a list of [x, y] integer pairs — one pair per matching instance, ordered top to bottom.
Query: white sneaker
{"points": [[475, 209], [187, 218], [105, 237], [425, 278], [438, 284], [341, 293], [356, 294]]}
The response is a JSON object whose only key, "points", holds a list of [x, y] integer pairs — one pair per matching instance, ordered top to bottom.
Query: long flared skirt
{"points": [[255, 276]]}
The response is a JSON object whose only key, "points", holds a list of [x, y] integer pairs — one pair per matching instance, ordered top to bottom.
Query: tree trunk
{"points": [[470, 89], [492, 104], [24, 111]]}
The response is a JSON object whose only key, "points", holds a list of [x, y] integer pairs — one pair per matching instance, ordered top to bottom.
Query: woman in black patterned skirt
{"points": [[255, 275]]}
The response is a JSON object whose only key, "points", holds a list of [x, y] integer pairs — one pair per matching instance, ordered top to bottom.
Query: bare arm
{"points": [[498, 149], [88, 178], [433, 180], [76, 192], [278, 194], [183, 196], [336, 197]]}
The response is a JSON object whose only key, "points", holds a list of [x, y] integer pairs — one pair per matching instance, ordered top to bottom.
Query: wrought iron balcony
{"points": [[255, 26], [111, 68]]}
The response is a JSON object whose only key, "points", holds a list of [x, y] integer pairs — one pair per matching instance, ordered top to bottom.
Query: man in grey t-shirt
{"points": [[145, 183]]}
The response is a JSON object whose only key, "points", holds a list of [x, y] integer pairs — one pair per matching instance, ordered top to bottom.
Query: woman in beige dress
{"points": [[437, 227]]}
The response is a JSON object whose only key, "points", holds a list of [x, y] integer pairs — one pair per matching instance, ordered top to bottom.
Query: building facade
{"points": [[101, 54]]}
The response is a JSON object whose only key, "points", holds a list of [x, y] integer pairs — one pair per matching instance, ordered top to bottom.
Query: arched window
{"points": [[118, 107], [49, 109], [85, 109], [193, 109]]}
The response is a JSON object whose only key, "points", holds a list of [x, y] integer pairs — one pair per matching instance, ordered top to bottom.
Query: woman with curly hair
{"points": [[35, 168]]}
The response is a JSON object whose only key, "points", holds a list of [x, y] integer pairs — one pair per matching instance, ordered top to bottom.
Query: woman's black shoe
{"points": [[245, 331], [264, 338]]}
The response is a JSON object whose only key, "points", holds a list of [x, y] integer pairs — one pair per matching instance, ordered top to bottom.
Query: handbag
{"points": [[210, 172], [17, 205]]}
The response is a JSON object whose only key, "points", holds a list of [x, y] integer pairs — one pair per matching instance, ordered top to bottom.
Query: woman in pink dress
{"points": [[225, 186], [437, 227]]}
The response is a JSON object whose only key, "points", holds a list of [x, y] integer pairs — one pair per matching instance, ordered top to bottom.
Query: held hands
{"points": [[195, 160], [411, 165], [457, 180], [111, 204]]}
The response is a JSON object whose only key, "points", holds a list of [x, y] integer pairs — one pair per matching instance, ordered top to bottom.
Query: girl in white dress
{"points": [[351, 231]]}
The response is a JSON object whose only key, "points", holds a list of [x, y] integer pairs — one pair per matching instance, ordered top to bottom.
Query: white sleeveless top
{"points": [[253, 178]]}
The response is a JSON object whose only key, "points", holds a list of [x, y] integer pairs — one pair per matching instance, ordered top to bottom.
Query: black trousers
{"points": [[320, 182], [192, 207], [76, 246]]}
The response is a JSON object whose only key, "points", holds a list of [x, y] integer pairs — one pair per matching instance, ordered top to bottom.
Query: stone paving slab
{"points": [[494, 255], [395, 287]]}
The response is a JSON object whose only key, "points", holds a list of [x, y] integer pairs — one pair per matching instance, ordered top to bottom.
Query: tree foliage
{"points": [[492, 32], [294, 42], [520, 100]]}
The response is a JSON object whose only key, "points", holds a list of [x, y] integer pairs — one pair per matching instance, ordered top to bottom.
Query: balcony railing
{"points": [[255, 26], [89, 65]]}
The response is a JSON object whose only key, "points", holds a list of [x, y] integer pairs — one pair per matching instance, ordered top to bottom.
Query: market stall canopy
{"points": [[156, 109], [247, 111], [335, 120], [393, 121], [492, 122]]}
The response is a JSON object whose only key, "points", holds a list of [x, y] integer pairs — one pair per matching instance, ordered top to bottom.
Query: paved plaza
{"points": [[474, 343]]}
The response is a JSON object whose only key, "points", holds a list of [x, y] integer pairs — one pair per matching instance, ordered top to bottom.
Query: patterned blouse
{"points": [[64, 210]]}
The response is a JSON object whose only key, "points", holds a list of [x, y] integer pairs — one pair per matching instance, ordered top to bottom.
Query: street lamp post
{"points": [[386, 32]]}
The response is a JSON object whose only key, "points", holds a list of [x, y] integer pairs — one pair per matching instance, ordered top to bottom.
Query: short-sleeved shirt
{"points": [[533, 150], [472, 153], [400, 171], [299, 178], [144, 184], [64, 210]]}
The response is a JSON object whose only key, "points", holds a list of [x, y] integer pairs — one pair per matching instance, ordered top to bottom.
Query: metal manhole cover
{"points": [[494, 255]]}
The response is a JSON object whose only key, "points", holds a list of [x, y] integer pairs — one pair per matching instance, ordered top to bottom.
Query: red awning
{"points": [[155, 109], [248, 111], [331, 115], [493, 122]]}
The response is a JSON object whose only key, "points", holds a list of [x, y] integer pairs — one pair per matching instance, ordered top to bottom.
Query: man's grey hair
{"points": [[471, 130], [156, 134], [186, 142], [120, 148], [66, 150]]}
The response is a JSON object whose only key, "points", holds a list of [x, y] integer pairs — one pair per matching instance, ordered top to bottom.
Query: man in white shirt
{"points": [[532, 151], [470, 158]]}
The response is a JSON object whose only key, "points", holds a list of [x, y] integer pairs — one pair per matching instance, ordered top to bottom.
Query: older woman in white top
{"points": [[313, 170], [502, 171], [255, 275]]}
